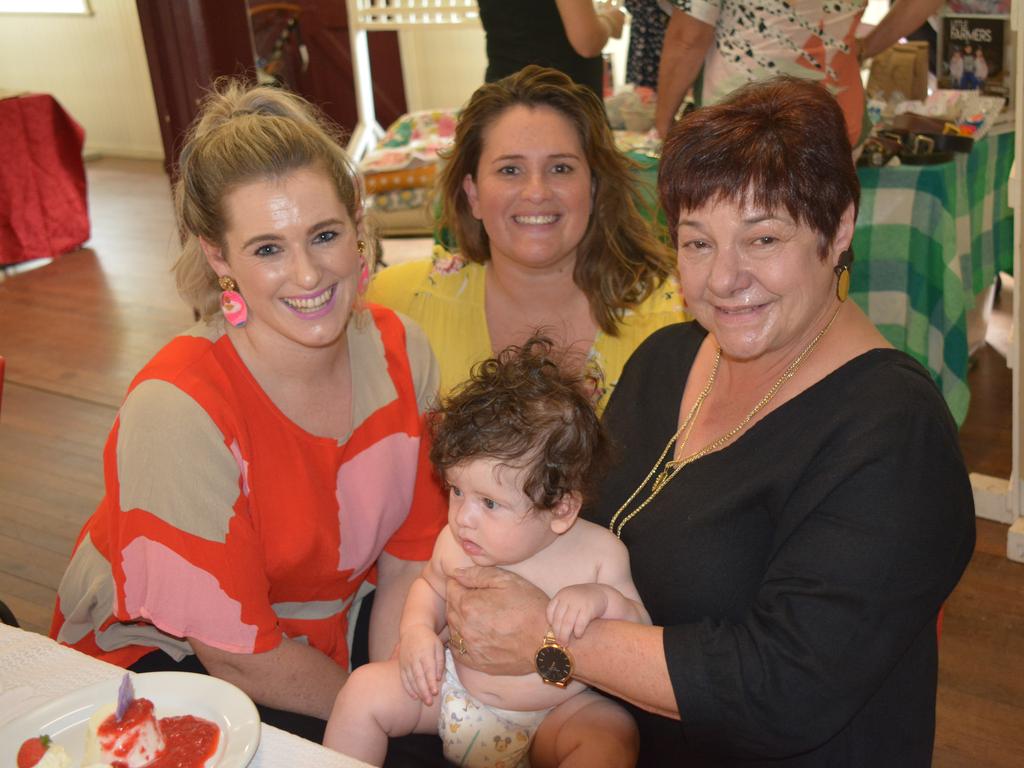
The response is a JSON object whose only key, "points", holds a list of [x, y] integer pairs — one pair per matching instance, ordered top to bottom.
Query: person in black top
{"points": [[567, 35], [790, 487]]}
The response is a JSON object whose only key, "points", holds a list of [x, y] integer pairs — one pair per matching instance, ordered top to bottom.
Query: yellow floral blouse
{"points": [[445, 296]]}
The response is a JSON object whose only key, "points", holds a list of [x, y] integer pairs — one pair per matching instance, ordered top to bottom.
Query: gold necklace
{"points": [[673, 466]]}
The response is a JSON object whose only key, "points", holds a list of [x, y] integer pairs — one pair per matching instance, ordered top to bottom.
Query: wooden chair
{"points": [[1, 380]]}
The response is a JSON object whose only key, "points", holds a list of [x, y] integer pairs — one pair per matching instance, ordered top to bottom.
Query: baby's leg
{"points": [[372, 706], [587, 730]]}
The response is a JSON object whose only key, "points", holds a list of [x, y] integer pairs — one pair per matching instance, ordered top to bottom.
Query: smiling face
{"points": [[533, 188], [290, 245], [755, 278], [491, 518]]}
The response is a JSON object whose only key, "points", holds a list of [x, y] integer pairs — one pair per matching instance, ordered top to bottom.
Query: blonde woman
{"points": [[265, 462]]}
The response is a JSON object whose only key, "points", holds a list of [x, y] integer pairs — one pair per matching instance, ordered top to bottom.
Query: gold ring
{"points": [[458, 643]]}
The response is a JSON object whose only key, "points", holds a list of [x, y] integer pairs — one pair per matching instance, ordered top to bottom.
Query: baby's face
{"points": [[491, 518]]}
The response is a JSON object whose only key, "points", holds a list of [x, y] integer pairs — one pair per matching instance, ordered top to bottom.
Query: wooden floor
{"points": [[74, 333]]}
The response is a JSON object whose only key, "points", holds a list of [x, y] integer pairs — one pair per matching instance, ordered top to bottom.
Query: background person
{"points": [[648, 20], [567, 35], [733, 42], [980, 67], [956, 68], [969, 79], [543, 208], [517, 444], [260, 469], [790, 487]]}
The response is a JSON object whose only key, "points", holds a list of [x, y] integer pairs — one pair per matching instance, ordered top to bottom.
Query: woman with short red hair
{"points": [[790, 487]]}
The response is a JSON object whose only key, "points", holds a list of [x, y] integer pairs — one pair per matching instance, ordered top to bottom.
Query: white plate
{"points": [[172, 693]]}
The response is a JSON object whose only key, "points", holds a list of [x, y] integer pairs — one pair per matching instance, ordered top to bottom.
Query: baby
{"points": [[517, 445]]}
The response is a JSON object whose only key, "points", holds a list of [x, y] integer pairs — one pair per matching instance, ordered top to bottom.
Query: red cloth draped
{"points": [[43, 207]]}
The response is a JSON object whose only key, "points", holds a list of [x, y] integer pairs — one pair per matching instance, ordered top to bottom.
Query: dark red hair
{"points": [[778, 144]]}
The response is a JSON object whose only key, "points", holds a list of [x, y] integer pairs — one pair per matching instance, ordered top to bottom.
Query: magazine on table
{"points": [[973, 51]]}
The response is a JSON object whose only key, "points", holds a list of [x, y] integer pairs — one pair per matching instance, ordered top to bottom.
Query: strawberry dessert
{"points": [[131, 736], [132, 739], [41, 752]]}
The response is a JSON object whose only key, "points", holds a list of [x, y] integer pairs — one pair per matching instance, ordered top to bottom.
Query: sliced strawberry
{"points": [[32, 751]]}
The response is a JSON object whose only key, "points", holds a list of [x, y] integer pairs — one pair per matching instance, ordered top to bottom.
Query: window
{"points": [[45, 6]]}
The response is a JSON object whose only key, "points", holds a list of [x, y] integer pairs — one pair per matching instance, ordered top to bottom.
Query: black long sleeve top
{"points": [[799, 570]]}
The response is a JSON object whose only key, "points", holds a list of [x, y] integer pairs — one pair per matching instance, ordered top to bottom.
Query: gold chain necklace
{"points": [[673, 466]]}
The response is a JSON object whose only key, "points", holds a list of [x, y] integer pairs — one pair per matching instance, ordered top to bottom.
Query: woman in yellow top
{"points": [[543, 208]]}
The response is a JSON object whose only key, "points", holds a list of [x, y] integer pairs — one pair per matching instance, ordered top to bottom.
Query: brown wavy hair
{"points": [[246, 133], [781, 141], [621, 261], [529, 410]]}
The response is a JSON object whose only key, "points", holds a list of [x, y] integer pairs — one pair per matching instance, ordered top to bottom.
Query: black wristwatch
{"points": [[554, 663]]}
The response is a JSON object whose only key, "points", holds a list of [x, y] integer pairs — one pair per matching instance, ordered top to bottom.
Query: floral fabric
{"points": [[804, 38], [413, 140], [445, 296]]}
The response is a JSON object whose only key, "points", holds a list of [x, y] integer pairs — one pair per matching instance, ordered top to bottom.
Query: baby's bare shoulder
{"points": [[598, 539], [586, 551]]}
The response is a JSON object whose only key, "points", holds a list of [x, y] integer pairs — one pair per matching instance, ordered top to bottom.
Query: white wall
{"points": [[95, 66], [442, 67]]}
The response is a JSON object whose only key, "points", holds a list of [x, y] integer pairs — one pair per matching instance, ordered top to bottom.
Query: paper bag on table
{"points": [[903, 68]]}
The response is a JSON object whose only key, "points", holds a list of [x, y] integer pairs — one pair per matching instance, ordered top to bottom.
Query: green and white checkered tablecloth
{"points": [[929, 239]]}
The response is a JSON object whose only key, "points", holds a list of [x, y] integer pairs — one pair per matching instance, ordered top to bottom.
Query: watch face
{"points": [[553, 664]]}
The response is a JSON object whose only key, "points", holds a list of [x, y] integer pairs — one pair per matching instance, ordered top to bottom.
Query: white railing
{"points": [[398, 14], [378, 15]]}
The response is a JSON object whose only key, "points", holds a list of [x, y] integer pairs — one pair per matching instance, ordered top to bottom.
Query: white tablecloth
{"points": [[34, 670]]}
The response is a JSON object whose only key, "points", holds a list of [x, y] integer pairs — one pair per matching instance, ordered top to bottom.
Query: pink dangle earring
{"points": [[364, 272], [231, 302]]}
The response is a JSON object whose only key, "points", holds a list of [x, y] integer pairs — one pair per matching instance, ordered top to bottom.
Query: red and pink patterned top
{"points": [[225, 521]]}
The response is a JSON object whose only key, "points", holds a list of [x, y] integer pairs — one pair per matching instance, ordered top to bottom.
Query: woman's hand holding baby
{"points": [[500, 617], [421, 659]]}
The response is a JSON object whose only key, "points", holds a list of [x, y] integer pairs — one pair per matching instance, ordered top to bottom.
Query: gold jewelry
{"points": [[361, 247], [842, 271], [227, 283], [843, 285], [673, 466], [458, 643], [553, 662]]}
